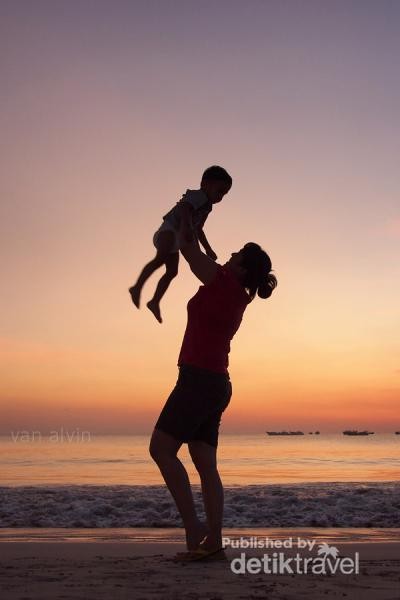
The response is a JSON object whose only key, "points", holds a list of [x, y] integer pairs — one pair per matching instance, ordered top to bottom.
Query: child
{"points": [[193, 210]]}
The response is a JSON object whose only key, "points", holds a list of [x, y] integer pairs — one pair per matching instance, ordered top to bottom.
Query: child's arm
{"points": [[185, 213], [203, 240], [201, 265]]}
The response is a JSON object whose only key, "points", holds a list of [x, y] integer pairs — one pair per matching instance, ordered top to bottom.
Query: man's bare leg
{"points": [[163, 450], [205, 461]]}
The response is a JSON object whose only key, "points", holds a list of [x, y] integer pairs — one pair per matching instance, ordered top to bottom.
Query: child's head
{"points": [[215, 182]]}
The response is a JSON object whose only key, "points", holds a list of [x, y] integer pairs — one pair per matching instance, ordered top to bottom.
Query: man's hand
{"points": [[211, 254]]}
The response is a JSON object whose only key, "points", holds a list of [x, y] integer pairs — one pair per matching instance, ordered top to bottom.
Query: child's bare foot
{"points": [[135, 295], [155, 309]]}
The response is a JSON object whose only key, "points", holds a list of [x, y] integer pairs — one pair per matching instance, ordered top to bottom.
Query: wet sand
{"points": [[80, 564]]}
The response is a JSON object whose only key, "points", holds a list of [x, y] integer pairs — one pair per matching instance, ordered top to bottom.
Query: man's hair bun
{"points": [[258, 278]]}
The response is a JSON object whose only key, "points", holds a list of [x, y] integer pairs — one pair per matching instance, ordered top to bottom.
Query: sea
{"points": [[77, 479]]}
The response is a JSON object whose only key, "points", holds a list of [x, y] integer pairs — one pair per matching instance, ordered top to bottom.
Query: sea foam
{"points": [[283, 505]]}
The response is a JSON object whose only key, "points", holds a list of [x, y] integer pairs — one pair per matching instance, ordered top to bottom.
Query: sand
{"points": [[113, 565]]}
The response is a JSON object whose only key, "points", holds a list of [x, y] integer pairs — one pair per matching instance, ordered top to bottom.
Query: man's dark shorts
{"points": [[194, 408]]}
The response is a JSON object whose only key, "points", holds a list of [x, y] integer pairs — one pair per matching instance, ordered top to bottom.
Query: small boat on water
{"points": [[285, 432], [355, 432]]}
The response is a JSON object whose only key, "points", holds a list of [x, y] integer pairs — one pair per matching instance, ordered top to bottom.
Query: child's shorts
{"points": [[166, 226], [194, 408]]}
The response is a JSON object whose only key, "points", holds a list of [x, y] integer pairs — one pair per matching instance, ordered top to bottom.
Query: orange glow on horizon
{"points": [[101, 137]]}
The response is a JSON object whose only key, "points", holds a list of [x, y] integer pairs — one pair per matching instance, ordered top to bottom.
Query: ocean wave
{"points": [[284, 505]]}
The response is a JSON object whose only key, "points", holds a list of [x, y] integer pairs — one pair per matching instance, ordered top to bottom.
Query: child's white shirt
{"points": [[201, 204]]}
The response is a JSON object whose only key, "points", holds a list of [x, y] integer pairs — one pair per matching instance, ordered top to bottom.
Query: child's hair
{"points": [[216, 173], [259, 278]]}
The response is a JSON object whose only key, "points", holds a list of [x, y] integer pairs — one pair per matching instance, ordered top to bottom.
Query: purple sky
{"points": [[110, 110]]}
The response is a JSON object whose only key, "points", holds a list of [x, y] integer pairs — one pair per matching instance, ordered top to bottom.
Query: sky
{"points": [[110, 110]]}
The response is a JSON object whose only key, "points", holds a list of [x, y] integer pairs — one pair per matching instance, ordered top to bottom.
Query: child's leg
{"points": [[165, 243], [171, 264]]}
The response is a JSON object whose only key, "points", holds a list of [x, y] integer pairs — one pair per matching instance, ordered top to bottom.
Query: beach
{"points": [[96, 521], [138, 564]]}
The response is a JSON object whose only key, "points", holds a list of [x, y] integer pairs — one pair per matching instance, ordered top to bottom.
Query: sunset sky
{"points": [[110, 110]]}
